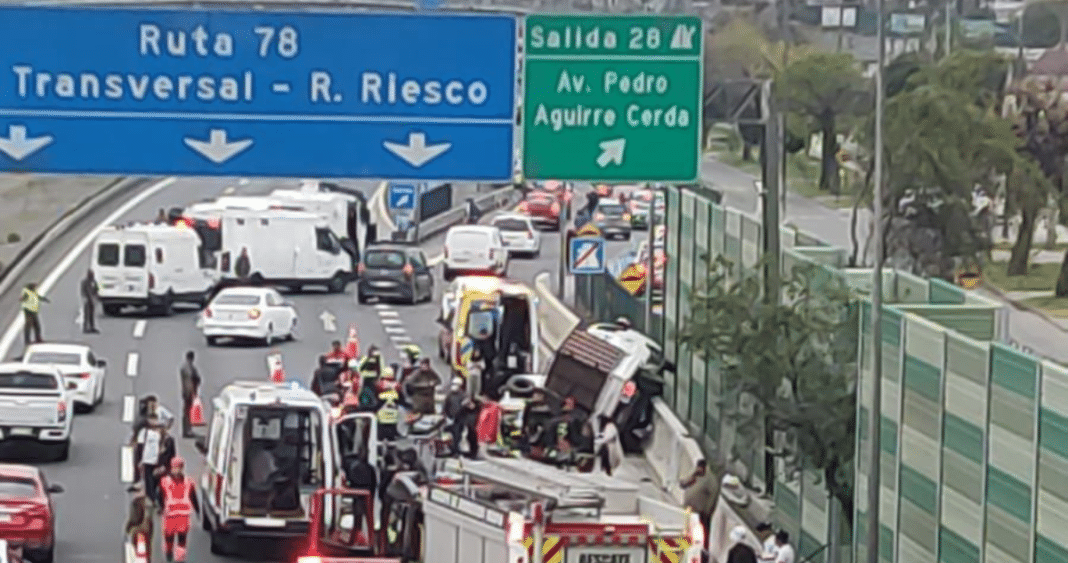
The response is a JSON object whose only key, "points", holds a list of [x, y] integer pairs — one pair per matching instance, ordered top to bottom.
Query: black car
{"points": [[395, 271]]}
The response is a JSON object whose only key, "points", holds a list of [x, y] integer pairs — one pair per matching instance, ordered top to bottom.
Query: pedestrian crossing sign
{"points": [[586, 255]]}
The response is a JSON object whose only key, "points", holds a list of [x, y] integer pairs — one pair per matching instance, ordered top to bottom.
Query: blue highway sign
{"points": [[187, 92], [401, 197], [586, 255]]}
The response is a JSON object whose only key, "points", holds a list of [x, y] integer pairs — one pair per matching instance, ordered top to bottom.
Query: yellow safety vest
{"points": [[30, 301], [388, 413]]}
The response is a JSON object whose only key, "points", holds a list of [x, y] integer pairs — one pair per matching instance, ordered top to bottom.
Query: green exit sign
{"points": [[612, 99]]}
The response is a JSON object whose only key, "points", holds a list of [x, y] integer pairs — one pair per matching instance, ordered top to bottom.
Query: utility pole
{"points": [[949, 27], [787, 36], [771, 157], [562, 219], [650, 259], [875, 412]]}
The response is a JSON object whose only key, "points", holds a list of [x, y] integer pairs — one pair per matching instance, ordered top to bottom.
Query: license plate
{"points": [[382, 284], [22, 431]]}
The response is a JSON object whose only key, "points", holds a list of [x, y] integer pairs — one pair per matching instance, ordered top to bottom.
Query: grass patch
{"points": [[1007, 246], [1040, 277], [1055, 306]]}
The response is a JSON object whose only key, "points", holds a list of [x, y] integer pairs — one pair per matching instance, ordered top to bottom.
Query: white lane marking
{"points": [[229, 190], [435, 260], [68, 261], [381, 306], [388, 313], [391, 321], [139, 328], [394, 330], [397, 339], [132, 359], [129, 407], [126, 464]]}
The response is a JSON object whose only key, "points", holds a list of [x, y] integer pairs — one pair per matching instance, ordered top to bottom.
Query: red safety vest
{"points": [[177, 496]]}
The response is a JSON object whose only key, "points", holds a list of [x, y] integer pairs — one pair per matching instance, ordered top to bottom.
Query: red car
{"points": [[543, 209], [27, 518]]}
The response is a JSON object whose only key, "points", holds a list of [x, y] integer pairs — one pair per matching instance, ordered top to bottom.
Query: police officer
{"points": [[31, 309], [388, 415]]}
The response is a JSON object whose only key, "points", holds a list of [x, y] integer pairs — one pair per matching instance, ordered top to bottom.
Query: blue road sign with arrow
{"points": [[264, 93], [402, 197], [586, 255]]}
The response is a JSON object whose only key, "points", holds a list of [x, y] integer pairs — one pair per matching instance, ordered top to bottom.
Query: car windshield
{"points": [[612, 209], [511, 225], [469, 239], [391, 259], [238, 299], [65, 358], [28, 380], [17, 487]]}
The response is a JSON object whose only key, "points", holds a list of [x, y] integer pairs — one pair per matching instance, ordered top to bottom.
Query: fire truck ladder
{"points": [[558, 489]]}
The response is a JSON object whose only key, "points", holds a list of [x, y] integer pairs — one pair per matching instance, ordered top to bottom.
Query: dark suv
{"points": [[612, 219], [395, 271]]}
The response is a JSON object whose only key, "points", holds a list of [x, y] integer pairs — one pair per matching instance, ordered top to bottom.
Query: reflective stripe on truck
{"points": [[552, 549], [668, 550]]}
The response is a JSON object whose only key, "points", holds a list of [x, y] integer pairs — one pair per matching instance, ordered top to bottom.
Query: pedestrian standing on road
{"points": [[243, 267], [90, 295], [31, 308], [190, 379], [420, 388], [454, 412], [388, 415], [150, 440], [179, 502], [139, 520], [766, 534], [786, 551]]}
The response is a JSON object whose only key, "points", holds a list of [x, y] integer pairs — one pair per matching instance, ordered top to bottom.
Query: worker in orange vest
{"points": [[179, 501]]}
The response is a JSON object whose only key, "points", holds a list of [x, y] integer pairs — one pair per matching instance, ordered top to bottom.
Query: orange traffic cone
{"points": [[352, 347], [275, 368], [196, 412]]}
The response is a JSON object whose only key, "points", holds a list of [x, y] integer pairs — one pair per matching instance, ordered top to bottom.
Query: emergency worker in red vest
{"points": [[179, 501]]}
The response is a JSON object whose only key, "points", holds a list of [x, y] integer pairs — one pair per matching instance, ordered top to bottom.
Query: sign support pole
{"points": [[417, 210], [650, 262], [561, 278]]}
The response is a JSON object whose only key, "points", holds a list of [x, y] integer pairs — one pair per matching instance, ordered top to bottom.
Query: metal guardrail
{"points": [[501, 197]]}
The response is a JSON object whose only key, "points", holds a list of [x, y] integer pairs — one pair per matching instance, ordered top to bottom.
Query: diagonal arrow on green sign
{"points": [[613, 99]]}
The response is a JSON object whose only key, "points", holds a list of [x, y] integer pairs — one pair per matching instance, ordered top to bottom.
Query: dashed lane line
{"points": [[229, 190], [391, 321], [139, 328], [395, 330], [132, 359], [129, 407]]}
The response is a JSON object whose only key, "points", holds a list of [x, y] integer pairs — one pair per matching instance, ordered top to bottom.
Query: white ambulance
{"points": [[152, 266], [270, 446]]}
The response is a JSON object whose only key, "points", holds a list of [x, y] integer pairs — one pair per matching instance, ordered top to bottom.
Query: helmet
{"points": [[624, 322], [412, 351], [354, 364], [389, 395], [177, 462]]}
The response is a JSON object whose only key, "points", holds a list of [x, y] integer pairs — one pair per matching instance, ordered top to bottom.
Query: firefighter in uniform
{"points": [[412, 353], [370, 371], [388, 415], [179, 501]]}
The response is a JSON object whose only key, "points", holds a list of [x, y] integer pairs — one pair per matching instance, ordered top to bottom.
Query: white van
{"points": [[341, 211], [290, 248], [474, 249], [152, 266], [269, 448]]}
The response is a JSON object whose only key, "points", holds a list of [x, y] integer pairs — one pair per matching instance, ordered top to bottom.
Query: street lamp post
{"points": [[875, 412]]}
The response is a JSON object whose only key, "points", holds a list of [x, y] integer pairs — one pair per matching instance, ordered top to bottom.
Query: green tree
{"points": [[822, 87], [795, 360]]}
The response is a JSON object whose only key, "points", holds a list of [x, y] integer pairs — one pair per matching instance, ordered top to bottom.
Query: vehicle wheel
{"points": [[626, 236], [536, 254], [448, 274], [256, 279], [336, 283], [429, 293], [415, 295], [361, 298], [166, 305], [112, 310], [292, 334], [269, 339], [211, 340], [441, 350], [100, 393], [81, 408], [63, 450], [204, 522], [218, 544], [41, 555]]}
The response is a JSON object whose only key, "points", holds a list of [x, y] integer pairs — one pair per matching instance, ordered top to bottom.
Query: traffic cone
{"points": [[352, 347], [275, 368], [196, 412]]}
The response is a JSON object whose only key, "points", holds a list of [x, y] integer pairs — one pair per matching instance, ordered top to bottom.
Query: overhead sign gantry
{"points": [[264, 93]]}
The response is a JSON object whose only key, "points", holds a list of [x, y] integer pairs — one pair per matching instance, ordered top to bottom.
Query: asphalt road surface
{"points": [[144, 354]]}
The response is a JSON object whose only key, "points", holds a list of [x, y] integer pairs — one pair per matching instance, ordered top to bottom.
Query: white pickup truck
{"points": [[35, 406]]}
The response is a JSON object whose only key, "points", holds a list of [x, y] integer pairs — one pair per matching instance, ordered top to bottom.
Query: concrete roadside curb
{"points": [[63, 225]]}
